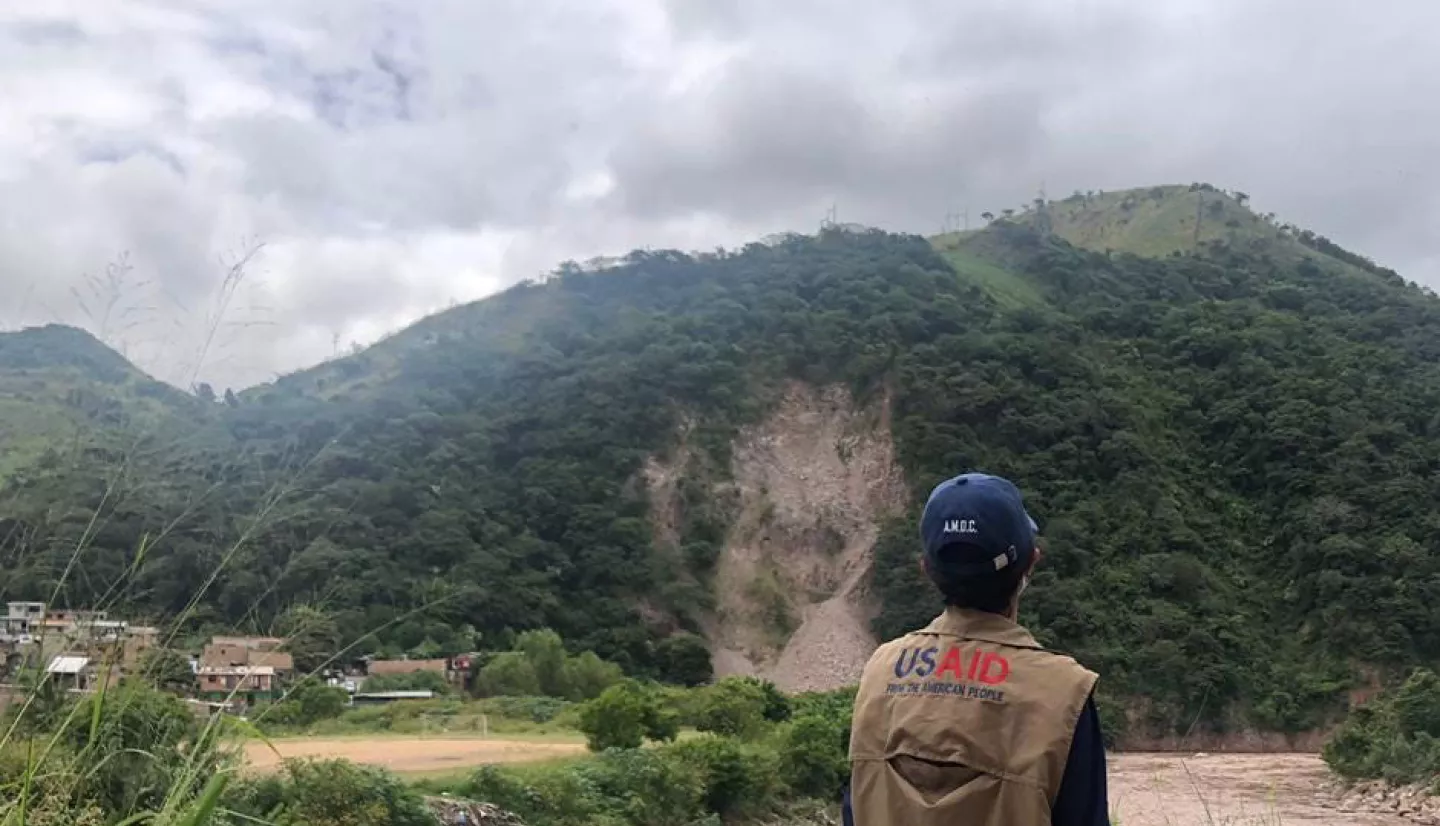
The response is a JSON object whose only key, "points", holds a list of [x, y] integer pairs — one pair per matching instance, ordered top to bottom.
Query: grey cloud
{"points": [[58, 32], [906, 110], [767, 140], [401, 155]]}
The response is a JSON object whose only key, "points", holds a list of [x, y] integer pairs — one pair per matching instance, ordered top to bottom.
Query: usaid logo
{"points": [[959, 526]]}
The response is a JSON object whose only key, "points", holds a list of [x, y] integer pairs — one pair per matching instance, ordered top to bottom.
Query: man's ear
{"points": [[1035, 560], [924, 566]]}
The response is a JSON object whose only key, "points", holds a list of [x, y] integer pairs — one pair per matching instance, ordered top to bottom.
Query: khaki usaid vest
{"points": [[965, 723]]}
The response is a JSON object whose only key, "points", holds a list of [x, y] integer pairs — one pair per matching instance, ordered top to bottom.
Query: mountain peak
{"points": [[60, 345]]}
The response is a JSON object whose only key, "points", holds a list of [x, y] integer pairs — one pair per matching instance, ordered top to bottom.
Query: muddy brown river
{"points": [[1228, 790]]}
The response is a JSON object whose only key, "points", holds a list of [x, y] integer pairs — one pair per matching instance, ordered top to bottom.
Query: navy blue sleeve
{"points": [[1082, 800], [847, 816]]}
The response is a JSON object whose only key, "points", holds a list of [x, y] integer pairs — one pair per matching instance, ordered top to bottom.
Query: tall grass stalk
{"points": [[70, 749]]}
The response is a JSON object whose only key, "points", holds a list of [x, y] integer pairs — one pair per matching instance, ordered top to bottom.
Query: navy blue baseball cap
{"points": [[976, 525]]}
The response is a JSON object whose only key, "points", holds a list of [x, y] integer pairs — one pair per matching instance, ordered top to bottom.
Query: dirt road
{"points": [[409, 754], [1228, 789]]}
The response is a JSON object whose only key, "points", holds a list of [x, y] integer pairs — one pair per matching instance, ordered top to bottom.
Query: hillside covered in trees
{"points": [[1230, 443]]}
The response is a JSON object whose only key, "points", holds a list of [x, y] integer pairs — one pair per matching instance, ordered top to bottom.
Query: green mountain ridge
{"points": [[59, 385], [1232, 447]]}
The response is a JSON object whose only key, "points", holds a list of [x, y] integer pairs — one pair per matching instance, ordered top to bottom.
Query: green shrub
{"points": [[545, 652], [684, 659], [539, 666], [507, 674], [587, 676], [307, 703], [1417, 704], [777, 705], [837, 705], [735, 706], [534, 709], [624, 716], [1113, 721], [1393, 737], [137, 745], [812, 760], [737, 779], [501, 787], [622, 787], [646, 787], [52, 793], [329, 793]]}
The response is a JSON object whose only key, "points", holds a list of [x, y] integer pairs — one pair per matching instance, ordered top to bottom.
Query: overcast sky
{"points": [[394, 157]]}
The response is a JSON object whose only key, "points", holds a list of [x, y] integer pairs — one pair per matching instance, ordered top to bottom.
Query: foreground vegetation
{"points": [[1395, 737], [757, 753], [133, 754]]}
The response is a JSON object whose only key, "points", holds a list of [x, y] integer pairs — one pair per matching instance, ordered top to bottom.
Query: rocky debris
{"points": [[813, 482], [830, 647], [1415, 802], [448, 810]]}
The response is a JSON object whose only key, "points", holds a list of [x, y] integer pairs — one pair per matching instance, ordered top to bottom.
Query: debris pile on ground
{"points": [[812, 484], [1415, 802], [449, 810]]}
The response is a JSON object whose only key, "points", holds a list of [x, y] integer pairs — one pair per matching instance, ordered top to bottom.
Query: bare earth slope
{"points": [[812, 483]]}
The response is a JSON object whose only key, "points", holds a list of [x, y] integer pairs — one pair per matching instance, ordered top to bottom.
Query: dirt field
{"points": [[410, 754], [1239, 790]]}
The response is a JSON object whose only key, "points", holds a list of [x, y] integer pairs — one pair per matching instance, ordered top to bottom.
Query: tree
{"points": [[987, 216], [311, 636], [545, 652], [684, 659], [508, 674], [587, 676], [308, 702], [735, 706], [777, 706], [624, 716], [812, 757]]}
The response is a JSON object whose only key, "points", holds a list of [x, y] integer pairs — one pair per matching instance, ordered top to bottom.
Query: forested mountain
{"points": [[60, 387], [1231, 444]]}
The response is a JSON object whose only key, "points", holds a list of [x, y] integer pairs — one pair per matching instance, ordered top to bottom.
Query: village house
{"points": [[21, 621], [81, 648], [249, 651], [72, 672], [226, 683]]}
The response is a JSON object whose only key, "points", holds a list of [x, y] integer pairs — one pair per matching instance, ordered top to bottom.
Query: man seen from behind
{"points": [[969, 722]]}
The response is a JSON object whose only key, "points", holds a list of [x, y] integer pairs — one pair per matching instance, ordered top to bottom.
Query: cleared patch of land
{"points": [[410, 755], [1231, 789]]}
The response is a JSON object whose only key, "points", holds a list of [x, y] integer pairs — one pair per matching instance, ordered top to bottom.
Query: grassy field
{"points": [[1009, 290], [544, 722], [408, 756]]}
